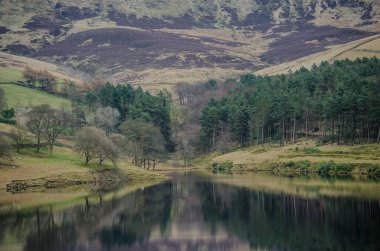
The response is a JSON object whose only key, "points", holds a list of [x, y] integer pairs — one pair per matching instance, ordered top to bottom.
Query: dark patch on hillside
{"points": [[330, 3], [352, 3], [73, 12], [367, 13], [258, 21], [183, 22], [54, 26], [3, 29], [297, 44], [18, 49], [131, 49]]}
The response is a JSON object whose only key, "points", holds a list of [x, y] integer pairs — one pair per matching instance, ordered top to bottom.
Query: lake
{"points": [[206, 212]]}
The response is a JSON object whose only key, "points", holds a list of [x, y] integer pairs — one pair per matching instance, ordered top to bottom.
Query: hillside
{"points": [[171, 41], [366, 47], [18, 63], [21, 97], [260, 156]]}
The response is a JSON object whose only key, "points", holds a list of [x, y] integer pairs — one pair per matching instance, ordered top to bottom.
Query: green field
{"points": [[9, 75], [18, 96]]}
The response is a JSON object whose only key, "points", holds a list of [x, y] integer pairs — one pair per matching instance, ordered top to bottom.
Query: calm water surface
{"points": [[190, 212]]}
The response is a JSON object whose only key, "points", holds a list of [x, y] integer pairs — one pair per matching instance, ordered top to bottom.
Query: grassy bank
{"points": [[19, 96], [306, 157], [64, 167], [64, 179], [311, 186]]}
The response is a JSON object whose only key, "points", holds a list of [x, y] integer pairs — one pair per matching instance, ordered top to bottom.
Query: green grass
{"points": [[9, 75], [18, 96], [61, 156]]}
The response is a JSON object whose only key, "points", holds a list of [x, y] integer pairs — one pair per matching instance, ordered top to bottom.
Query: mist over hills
{"points": [[171, 41]]}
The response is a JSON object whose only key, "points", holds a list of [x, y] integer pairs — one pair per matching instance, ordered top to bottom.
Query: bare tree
{"points": [[30, 76], [41, 79], [106, 118], [35, 122], [53, 124], [19, 137], [86, 141], [120, 141], [93, 143], [5, 149], [107, 150], [187, 151]]}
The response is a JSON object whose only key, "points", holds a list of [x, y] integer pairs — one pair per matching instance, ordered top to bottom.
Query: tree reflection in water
{"points": [[192, 213], [270, 221], [94, 226]]}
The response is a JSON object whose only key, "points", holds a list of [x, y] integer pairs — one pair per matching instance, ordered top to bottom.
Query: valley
{"points": [[189, 125]]}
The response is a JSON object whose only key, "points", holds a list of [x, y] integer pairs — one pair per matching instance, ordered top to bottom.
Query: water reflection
{"points": [[193, 213], [287, 222], [99, 225]]}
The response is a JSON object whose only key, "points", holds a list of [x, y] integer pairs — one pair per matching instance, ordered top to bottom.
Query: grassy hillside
{"points": [[366, 47], [12, 66], [9, 75], [18, 96], [307, 156]]}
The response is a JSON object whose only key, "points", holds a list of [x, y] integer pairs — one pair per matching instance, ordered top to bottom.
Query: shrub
{"points": [[8, 114], [8, 121], [311, 150], [289, 164], [304, 165], [225, 166], [325, 168], [333, 168], [343, 168], [373, 170]]}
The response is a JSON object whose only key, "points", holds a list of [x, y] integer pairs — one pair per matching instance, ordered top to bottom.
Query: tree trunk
{"points": [[306, 124], [294, 128], [353, 128], [342, 129], [283, 130], [333, 131], [368, 131], [262, 133], [257, 135], [338, 135], [378, 136], [213, 139], [38, 142], [51, 148]]}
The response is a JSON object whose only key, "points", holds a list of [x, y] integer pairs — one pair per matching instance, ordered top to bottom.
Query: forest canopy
{"points": [[338, 102]]}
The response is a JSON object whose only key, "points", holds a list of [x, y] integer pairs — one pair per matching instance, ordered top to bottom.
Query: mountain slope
{"points": [[171, 41], [366, 47], [20, 62]]}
